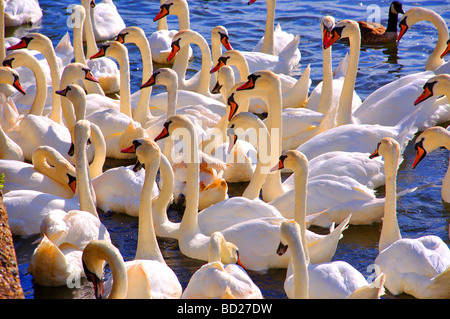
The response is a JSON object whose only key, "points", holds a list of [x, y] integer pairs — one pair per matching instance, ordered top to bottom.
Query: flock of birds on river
{"points": [[62, 118]]}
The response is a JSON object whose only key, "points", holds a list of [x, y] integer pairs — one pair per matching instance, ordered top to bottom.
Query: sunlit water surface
{"points": [[419, 213]]}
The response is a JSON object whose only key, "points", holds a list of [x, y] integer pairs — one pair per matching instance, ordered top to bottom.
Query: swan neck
{"points": [[162, 23], [2, 32], [268, 43], [91, 44], [182, 59], [435, 60], [203, 85], [125, 93], [326, 95], [37, 108], [142, 111], [344, 114], [96, 167], [301, 180], [84, 185], [165, 195], [189, 222], [390, 231], [215, 244], [147, 246], [299, 268]]}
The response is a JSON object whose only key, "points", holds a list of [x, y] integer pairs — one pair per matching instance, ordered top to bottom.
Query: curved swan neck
{"points": [[268, 43], [46, 48], [121, 55], [26, 59], [182, 59], [435, 60], [203, 85], [344, 114], [50, 162], [96, 166], [165, 195], [189, 223], [390, 231], [215, 245], [147, 246]]}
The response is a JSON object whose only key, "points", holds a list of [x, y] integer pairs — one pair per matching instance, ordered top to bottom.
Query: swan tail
{"points": [[65, 49], [290, 55], [341, 69], [298, 95], [407, 128], [440, 286], [372, 291]]}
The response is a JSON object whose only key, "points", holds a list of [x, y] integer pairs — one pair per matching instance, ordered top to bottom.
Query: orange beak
{"points": [[251, 2], [162, 13], [403, 28], [326, 36], [120, 38], [332, 38], [226, 43], [21, 45], [175, 49], [447, 50], [99, 54], [217, 67], [90, 77], [150, 82], [250, 84], [18, 86], [62, 92], [425, 95], [233, 106], [164, 133], [131, 149], [420, 153], [374, 154], [280, 165], [72, 183]]}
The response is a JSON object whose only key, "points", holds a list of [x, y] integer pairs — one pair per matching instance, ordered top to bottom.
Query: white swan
{"points": [[22, 12], [417, 14], [106, 20], [161, 40], [274, 41], [104, 69], [295, 92], [118, 127], [50, 173], [28, 208], [255, 255], [424, 269], [148, 274], [213, 278], [333, 280]]}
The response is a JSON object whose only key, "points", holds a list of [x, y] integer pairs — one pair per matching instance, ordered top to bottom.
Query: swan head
{"points": [[88, 3], [164, 10], [411, 17], [327, 24], [342, 29], [222, 33], [130, 35], [180, 40], [31, 41], [111, 48], [447, 49], [230, 57], [74, 71], [162, 76], [11, 77], [225, 78], [435, 86], [242, 122], [173, 123], [428, 141], [388, 148], [146, 150], [294, 160], [289, 229], [219, 248], [94, 255]]}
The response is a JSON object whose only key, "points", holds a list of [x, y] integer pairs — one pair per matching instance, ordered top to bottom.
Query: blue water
{"points": [[420, 213]]}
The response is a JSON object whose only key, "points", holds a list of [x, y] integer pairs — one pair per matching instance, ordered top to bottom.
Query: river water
{"points": [[419, 213]]}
